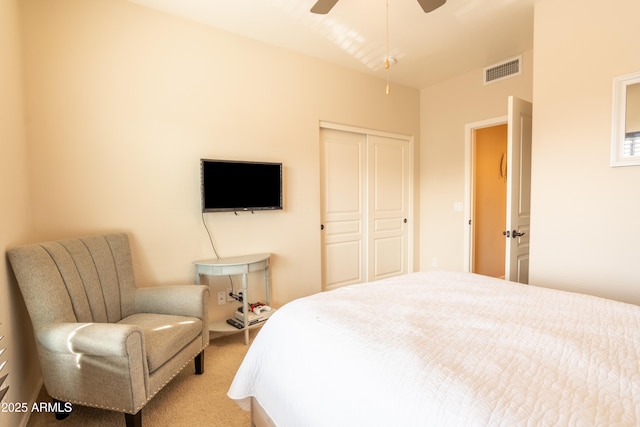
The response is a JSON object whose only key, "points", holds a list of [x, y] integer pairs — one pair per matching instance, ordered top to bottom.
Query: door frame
{"points": [[410, 139], [469, 205]]}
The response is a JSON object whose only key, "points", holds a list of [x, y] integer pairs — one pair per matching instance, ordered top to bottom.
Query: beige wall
{"points": [[124, 101], [445, 109], [584, 213], [584, 225], [22, 364]]}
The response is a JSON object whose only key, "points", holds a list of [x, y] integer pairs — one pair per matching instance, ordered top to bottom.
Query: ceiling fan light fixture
{"points": [[389, 61]]}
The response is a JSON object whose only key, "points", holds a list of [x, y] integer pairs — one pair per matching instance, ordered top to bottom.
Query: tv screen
{"points": [[240, 186]]}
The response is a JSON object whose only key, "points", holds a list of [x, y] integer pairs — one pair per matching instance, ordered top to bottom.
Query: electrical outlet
{"points": [[434, 262], [229, 297], [221, 298]]}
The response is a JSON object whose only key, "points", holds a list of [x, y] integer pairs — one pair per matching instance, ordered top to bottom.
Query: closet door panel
{"points": [[343, 171], [365, 190], [388, 207]]}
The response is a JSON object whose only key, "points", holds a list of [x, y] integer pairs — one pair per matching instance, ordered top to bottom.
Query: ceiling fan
{"points": [[324, 6]]}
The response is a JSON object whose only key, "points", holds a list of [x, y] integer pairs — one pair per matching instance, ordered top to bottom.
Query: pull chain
{"points": [[386, 59]]}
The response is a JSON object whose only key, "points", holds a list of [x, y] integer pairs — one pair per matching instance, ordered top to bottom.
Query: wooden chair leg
{"points": [[199, 362], [134, 420]]}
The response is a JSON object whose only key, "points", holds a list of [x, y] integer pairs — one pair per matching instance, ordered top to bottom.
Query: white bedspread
{"points": [[446, 349]]}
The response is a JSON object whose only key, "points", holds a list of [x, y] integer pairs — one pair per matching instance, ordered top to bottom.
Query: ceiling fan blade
{"points": [[430, 5], [323, 6]]}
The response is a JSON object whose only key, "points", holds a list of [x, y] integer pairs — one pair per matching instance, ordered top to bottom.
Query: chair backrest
{"points": [[87, 279]]}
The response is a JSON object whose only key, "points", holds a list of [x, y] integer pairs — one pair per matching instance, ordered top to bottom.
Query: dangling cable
{"points": [[210, 237], [215, 251]]}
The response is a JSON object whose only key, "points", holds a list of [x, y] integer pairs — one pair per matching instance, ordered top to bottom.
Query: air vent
{"points": [[509, 68]]}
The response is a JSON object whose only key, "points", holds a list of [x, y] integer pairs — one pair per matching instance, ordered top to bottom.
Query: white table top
{"points": [[236, 260]]}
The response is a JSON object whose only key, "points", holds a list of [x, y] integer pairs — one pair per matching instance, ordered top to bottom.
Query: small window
{"points": [[625, 142], [631, 146]]}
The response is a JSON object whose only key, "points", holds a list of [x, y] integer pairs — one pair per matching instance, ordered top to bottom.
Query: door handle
{"points": [[516, 233]]}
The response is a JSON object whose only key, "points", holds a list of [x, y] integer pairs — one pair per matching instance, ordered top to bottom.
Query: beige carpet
{"points": [[188, 400]]}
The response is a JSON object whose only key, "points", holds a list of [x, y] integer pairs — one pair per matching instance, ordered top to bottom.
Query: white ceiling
{"points": [[460, 36]]}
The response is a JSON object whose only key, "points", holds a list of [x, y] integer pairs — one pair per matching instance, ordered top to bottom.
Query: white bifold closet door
{"points": [[365, 188]]}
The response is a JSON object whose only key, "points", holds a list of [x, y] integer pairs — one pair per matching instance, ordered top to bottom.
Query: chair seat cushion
{"points": [[164, 335]]}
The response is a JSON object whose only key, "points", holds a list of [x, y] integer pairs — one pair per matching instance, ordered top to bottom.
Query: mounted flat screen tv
{"points": [[231, 186]]}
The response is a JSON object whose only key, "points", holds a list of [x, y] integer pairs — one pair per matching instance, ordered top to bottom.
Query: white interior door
{"points": [[343, 186], [518, 190], [365, 202], [388, 206]]}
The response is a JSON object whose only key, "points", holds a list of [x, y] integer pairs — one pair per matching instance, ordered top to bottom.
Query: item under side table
{"points": [[242, 265]]}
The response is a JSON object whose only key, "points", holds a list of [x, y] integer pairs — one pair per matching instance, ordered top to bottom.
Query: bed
{"points": [[444, 349]]}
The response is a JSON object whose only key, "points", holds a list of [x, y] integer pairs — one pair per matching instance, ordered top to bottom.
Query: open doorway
{"points": [[516, 167], [489, 200], [485, 203]]}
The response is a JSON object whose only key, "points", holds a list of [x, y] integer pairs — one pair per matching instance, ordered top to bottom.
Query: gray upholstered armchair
{"points": [[102, 341]]}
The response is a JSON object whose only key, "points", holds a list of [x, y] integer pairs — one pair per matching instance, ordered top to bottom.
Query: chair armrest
{"points": [[179, 300], [95, 339]]}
